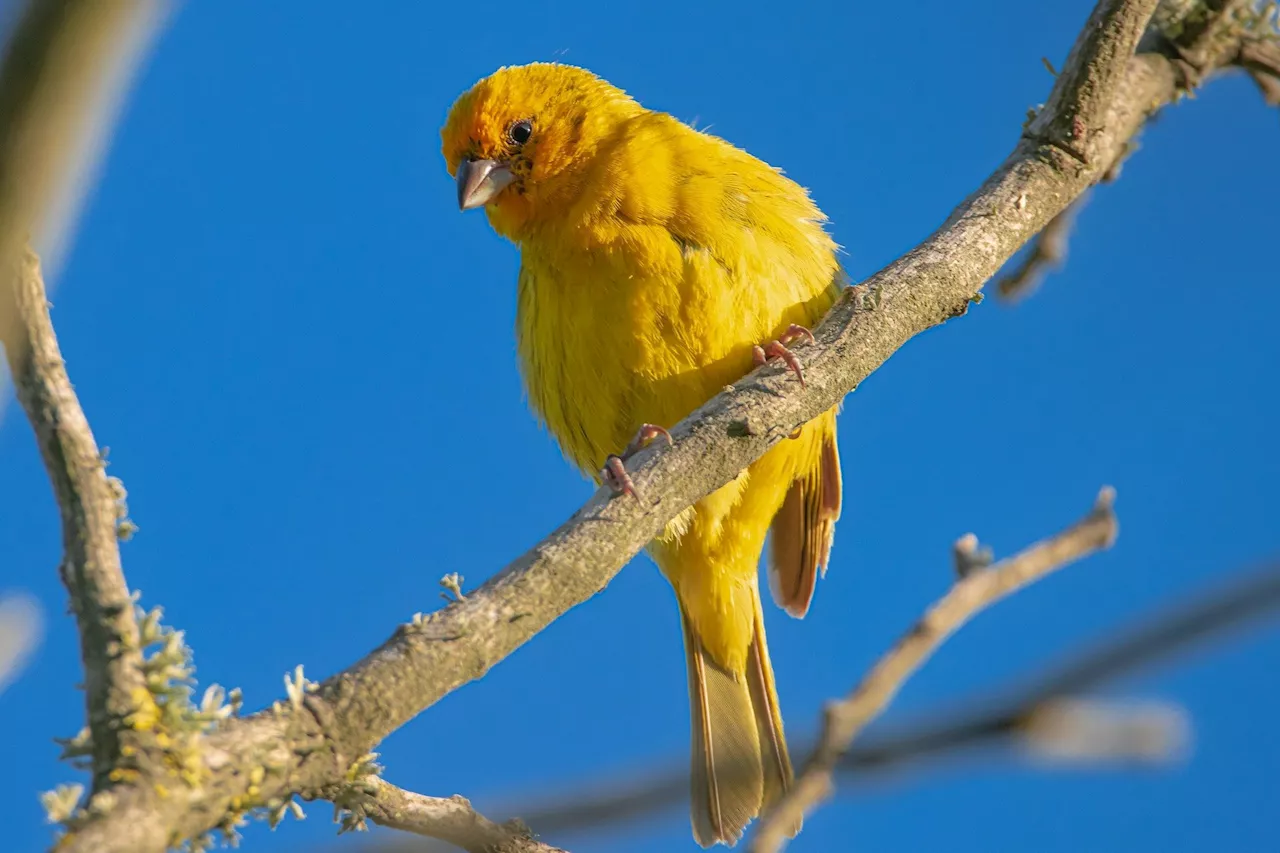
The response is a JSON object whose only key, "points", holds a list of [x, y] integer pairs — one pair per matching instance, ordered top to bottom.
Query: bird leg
{"points": [[778, 349], [615, 469]]}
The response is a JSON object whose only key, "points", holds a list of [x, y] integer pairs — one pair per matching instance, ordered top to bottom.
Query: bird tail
{"points": [[740, 763]]}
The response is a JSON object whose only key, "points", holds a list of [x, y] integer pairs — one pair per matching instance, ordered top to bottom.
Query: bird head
{"points": [[521, 141]]}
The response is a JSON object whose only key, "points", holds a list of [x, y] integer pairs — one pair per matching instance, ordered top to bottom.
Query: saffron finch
{"points": [[658, 264]]}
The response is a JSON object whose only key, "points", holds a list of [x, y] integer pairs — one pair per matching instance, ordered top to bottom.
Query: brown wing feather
{"points": [[832, 496], [803, 530]]}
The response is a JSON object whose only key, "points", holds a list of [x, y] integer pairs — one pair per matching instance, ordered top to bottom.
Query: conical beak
{"points": [[480, 180]]}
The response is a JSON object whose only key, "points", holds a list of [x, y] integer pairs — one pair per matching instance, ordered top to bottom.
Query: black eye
{"points": [[521, 131]]}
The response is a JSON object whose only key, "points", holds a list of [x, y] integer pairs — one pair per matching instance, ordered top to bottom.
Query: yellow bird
{"points": [[658, 263]]}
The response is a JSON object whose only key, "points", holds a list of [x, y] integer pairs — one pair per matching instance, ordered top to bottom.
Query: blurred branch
{"points": [[1204, 35], [1261, 58], [63, 70], [61, 79], [1102, 98], [1047, 253], [91, 506], [977, 589], [1206, 615], [20, 625], [1011, 714], [1074, 730], [448, 819]]}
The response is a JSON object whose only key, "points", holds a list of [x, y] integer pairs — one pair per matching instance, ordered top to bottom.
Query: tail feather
{"points": [[739, 758], [776, 760], [727, 777]]}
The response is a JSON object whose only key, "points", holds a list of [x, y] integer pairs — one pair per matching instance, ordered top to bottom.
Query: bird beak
{"points": [[480, 180]]}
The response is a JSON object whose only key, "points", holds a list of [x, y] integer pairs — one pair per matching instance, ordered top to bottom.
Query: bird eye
{"points": [[521, 131]]}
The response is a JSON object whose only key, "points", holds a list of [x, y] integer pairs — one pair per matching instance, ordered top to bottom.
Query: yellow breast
{"points": [[645, 299]]}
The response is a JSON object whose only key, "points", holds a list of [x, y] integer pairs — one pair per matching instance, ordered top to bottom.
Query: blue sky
{"points": [[302, 358]]}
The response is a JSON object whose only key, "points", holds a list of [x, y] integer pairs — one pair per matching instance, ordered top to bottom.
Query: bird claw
{"points": [[796, 332], [778, 349], [646, 434], [615, 468], [616, 477]]}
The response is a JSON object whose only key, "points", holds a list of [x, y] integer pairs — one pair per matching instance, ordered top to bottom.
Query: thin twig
{"points": [[90, 504], [968, 555], [1207, 614], [845, 719], [448, 819]]}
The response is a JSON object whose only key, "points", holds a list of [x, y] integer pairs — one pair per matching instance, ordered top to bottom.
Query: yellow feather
{"points": [[653, 258]]}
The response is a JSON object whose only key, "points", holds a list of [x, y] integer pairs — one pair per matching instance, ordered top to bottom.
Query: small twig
{"points": [[1047, 253], [969, 556], [452, 584], [100, 599], [844, 719], [449, 819]]}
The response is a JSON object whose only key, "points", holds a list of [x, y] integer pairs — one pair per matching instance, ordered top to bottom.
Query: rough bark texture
{"points": [[113, 681]]}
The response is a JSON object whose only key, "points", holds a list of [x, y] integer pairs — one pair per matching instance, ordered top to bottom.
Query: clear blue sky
{"points": [[302, 358]]}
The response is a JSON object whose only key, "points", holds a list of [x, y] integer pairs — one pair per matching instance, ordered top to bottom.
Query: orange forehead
{"points": [[479, 120]]}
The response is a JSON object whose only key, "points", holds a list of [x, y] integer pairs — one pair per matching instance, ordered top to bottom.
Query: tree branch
{"points": [[1205, 35], [1199, 37], [1261, 58], [56, 80], [1078, 108], [91, 506], [977, 589], [309, 742], [448, 819]]}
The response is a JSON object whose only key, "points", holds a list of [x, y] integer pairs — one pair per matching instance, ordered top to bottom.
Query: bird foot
{"points": [[778, 349], [615, 468]]}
